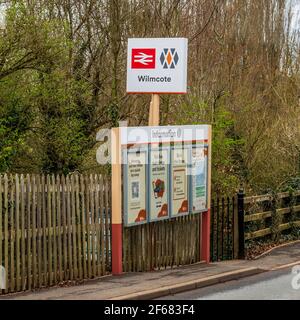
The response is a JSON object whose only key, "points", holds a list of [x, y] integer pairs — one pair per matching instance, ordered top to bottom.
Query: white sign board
{"points": [[157, 65], [165, 134]]}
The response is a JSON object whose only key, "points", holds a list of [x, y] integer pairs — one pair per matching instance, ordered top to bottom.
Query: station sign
{"points": [[157, 65]]}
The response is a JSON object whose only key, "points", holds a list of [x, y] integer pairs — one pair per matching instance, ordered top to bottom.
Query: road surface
{"points": [[272, 285]]}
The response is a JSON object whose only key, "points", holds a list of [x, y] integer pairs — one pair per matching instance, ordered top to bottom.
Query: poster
{"points": [[199, 177], [179, 184], [136, 188], [158, 188]]}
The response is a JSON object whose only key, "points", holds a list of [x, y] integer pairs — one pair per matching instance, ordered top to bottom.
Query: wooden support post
{"points": [[154, 111], [116, 214], [205, 228], [117, 266]]}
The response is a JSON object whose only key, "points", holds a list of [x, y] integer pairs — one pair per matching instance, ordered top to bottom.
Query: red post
{"points": [[116, 248], [205, 249]]}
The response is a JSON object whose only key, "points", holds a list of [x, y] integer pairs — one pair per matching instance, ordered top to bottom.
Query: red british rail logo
{"points": [[143, 58]]}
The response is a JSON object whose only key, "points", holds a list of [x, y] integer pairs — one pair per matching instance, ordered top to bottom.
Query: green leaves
{"points": [[14, 123]]}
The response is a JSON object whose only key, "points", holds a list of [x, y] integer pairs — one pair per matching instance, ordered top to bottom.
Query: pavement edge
{"points": [[191, 285]]}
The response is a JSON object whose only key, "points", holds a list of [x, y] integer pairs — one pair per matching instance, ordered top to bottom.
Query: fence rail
{"points": [[53, 229]]}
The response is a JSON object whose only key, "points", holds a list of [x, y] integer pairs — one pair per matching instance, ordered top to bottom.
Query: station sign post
{"points": [[166, 169]]}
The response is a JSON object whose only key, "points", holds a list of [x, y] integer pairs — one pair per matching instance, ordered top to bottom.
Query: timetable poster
{"points": [[199, 177], [158, 185], [136, 188], [179, 193]]}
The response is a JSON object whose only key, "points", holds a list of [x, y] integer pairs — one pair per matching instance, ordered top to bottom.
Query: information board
{"points": [[166, 172], [135, 175], [179, 181], [159, 184]]}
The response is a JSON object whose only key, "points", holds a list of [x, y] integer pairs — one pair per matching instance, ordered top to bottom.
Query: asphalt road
{"points": [[272, 285]]}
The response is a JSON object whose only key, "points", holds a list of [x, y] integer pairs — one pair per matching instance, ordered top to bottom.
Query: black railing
{"points": [[222, 228], [227, 240]]}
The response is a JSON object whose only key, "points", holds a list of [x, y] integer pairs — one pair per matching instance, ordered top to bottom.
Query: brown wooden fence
{"points": [[271, 215], [238, 220], [53, 229], [57, 229], [162, 244]]}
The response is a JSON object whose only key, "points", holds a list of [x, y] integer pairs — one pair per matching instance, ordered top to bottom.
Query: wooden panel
{"points": [[268, 197], [17, 213], [268, 214], [33, 219], [92, 219], [78, 223], [54, 224], [49, 225], [59, 225], [83, 225], [289, 225], [64, 226], [101, 226], [73, 227], [88, 227], [1, 228], [44, 231], [69, 231], [39, 232], [29, 233], [257, 234], [12, 238], [6, 242], [161, 244]]}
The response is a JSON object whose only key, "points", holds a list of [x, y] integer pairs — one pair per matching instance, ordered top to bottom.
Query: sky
{"points": [[294, 3]]}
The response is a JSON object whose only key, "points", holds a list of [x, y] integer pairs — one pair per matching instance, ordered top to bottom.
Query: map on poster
{"points": [[199, 175], [179, 182], [158, 188], [136, 190]]}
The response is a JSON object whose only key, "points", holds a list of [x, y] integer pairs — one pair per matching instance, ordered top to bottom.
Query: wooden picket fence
{"points": [[53, 229], [57, 229], [162, 244]]}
